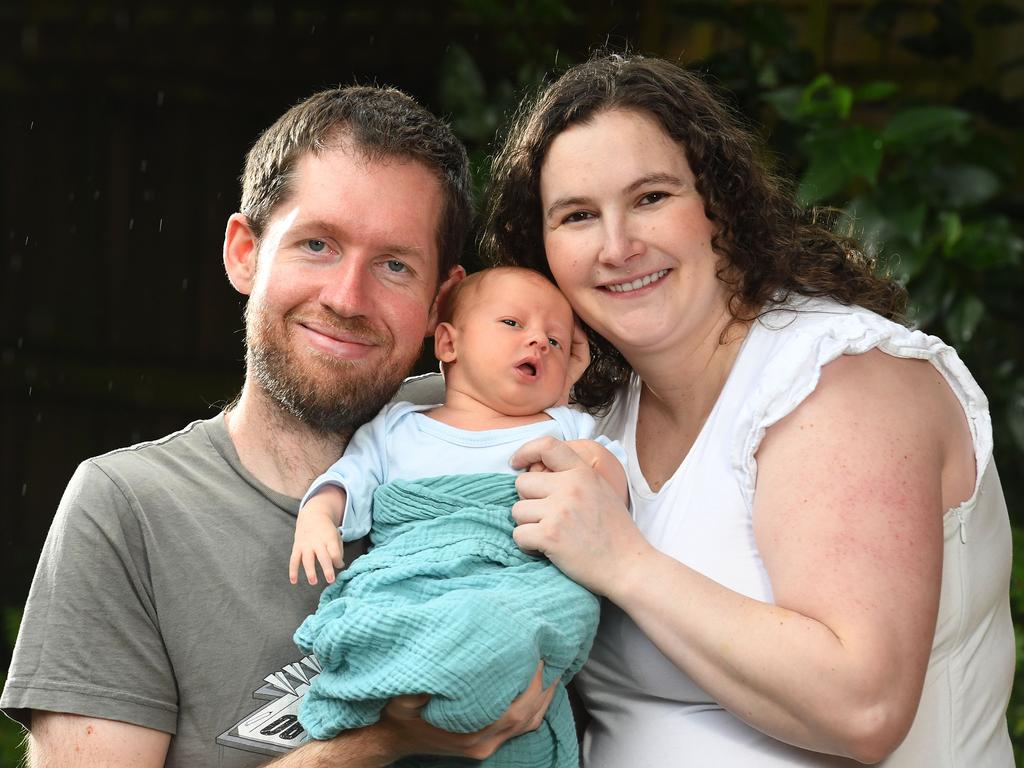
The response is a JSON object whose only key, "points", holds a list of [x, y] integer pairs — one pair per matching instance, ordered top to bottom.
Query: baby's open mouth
{"points": [[528, 368]]}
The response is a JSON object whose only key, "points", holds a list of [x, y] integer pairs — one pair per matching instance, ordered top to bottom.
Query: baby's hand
{"points": [[317, 538]]}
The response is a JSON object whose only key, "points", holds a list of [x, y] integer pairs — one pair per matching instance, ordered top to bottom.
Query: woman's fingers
{"points": [[553, 454]]}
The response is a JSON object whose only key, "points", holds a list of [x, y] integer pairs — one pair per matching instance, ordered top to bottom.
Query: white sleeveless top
{"points": [[647, 712]]}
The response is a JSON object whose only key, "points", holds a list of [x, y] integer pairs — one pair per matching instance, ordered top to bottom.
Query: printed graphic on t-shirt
{"points": [[274, 728]]}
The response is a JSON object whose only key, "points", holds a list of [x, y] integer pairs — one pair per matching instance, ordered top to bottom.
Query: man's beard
{"points": [[335, 397]]}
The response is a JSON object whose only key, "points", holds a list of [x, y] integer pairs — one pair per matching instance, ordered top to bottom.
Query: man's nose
{"points": [[620, 243], [347, 288]]}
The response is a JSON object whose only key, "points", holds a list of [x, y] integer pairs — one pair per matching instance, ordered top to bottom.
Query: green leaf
{"points": [[876, 91], [463, 95], [823, 98], [786, 102], [925, 125], [860, 150], [826, 175], [960, 186], [952, 228], [991, 242], [964, 318], [12, 620]]}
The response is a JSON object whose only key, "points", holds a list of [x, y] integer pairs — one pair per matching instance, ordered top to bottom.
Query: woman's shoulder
{"points": [[847, 353]]}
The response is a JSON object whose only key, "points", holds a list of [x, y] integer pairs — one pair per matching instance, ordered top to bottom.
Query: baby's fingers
{"points": [[326, 564], [293, 565], [309, 565]]}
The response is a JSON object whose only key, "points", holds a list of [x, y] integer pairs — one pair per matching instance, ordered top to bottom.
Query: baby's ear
{"points": [[444, 342]]}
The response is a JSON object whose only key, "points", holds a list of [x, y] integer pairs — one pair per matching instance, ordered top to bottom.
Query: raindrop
{"points": [[312, 30], [371, 39], [159, 98], [31, 125], [142, 166], [95, 194], [131, 224], [160, 226], [26, 239], [184, 284], [21, 342], [110, 385], [30, 390], [39, 417], [24, 488]]}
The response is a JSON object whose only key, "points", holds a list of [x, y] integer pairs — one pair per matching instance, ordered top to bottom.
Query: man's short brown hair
{"points": [[380, 123]]}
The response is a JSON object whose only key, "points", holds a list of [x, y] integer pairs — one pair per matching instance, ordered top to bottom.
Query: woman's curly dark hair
{"points": [[769, 246]]}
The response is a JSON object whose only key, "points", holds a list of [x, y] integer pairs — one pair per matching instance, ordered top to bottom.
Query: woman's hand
{"points": [[573, 516]]}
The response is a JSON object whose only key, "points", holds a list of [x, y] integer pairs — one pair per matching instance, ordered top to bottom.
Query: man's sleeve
{"points": [[90, 640]]}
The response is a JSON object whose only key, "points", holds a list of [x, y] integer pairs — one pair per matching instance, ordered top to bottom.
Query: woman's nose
{"points": [[620, 243]]}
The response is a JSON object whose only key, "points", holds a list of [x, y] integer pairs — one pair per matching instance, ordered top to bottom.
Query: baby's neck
{"points": [[466, 413]]}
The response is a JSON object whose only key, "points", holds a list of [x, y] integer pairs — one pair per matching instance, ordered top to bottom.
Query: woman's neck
{"points": [[684, 381]]}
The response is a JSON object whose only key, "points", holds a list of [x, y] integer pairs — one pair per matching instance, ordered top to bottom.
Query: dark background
{"points": [[124, 128]]}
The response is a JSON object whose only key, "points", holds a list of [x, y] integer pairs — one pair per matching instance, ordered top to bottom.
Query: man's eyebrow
{"points": [[645, 180]]}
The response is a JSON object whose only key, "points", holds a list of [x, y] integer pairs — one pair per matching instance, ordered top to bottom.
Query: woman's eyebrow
{"points": [[655, 178], [564, 202]]}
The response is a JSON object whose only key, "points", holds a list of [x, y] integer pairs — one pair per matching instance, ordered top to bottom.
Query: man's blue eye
{"points": [[316, 246], [394, 265]]}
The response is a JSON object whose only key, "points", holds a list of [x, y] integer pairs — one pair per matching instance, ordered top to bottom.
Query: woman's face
{"points": [[626, 236]]}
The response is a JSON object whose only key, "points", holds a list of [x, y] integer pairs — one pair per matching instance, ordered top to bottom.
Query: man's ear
{"points": [[240, 250], [455, 275], [444, 342]]}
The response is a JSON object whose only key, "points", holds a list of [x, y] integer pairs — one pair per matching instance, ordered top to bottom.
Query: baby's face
{"points": [[514, 335]]}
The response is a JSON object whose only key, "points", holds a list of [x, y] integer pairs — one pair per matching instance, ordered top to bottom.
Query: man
{"points": [[161, 600]]}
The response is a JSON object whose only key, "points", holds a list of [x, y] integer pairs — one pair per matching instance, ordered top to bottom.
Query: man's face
{"points": [[345, 282]]}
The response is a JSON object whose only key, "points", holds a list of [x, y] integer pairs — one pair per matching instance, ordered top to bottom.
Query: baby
{"points": [[445, 603]]}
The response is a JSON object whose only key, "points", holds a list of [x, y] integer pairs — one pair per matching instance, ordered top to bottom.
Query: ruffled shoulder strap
{"points": [[786, 349]]}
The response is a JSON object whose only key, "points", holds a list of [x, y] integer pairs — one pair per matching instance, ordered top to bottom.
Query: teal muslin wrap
{"points": [[446, 604]]}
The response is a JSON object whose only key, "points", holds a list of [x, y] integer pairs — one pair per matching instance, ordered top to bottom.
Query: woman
{"points": [[816, 558]]}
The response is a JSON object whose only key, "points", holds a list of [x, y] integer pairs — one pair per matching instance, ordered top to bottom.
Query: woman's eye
{"points": [[652, 197], [577, 216], [316, 246], [396, 266], [511, 323]]}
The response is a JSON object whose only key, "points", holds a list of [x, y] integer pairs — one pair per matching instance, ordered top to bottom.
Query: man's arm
{"points": [[76, 741]]}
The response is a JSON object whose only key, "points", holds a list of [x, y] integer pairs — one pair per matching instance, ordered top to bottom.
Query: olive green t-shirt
{"points": [[162, 597]]}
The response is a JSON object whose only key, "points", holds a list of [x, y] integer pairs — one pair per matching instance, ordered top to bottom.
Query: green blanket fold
{"points": [[446, 604]]}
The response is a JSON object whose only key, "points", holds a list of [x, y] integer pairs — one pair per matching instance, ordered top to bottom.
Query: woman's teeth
{"points": [[640, 282]]}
